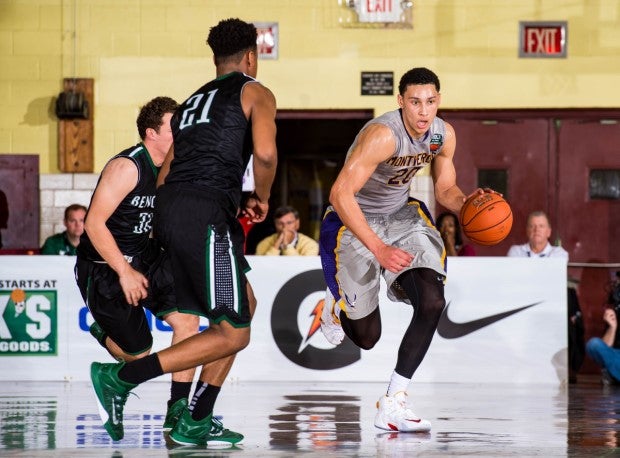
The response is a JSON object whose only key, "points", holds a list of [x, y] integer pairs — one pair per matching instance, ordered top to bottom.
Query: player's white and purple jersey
{"points": [[387, 189]]}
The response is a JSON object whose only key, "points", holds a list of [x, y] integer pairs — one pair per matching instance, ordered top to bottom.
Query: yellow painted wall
{"points": [[138, 49]]}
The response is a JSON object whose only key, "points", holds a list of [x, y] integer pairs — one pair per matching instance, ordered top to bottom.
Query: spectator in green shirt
{"points": [[66, 242]]}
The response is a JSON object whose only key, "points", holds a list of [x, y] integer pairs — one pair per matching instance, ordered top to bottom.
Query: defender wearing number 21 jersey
{"points": [[215, 132], [214, 149]]}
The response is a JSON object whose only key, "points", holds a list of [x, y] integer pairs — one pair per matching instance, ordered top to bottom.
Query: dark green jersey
{"points": [[213, 138], [130, 224], [58, 244]]}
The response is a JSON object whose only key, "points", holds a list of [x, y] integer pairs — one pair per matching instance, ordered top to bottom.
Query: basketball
{"points": [[486, 219]]}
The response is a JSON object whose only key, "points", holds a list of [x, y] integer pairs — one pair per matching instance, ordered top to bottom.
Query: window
{"points": [[496, 179], [605, 184]]}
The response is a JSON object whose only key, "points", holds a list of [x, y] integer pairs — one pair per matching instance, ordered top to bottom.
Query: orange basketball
{"points": [[486, 219]]}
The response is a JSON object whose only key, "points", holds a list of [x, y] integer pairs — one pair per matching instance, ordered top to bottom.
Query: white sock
{"points": [[397, 383]]}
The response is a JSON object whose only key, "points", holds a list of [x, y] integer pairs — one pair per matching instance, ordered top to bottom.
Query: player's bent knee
{"points": [[182, 321], [184, 330], [364, 332], [235, 338], [242, 339], [366, 340], [366, 344]]}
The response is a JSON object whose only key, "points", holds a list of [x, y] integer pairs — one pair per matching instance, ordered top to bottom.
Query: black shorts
{"points": [[204, 240], [161, 298], [124, 323]]}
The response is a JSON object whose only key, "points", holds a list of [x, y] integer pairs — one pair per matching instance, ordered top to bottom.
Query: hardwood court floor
{"points": [[55, 419]]}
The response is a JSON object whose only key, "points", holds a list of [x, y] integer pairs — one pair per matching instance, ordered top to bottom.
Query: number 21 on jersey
{"points": [[194, 106]]}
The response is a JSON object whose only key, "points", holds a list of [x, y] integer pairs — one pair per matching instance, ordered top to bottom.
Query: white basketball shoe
{"points": [[330, 322], [394, 415]]}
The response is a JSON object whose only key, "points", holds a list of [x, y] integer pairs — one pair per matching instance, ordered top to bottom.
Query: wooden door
{"points": [[516, 149], [552, 158], [19, 203], [589, 221], [590, 225]]}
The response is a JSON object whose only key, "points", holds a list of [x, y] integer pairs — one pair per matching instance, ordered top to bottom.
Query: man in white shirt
{"points": [[538, 230]]}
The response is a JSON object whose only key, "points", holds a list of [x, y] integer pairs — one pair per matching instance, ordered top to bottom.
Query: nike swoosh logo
{"points": [[448, 329]]}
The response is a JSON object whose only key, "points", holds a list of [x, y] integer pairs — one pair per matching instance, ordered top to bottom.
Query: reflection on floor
{"points": [[323, 419]]}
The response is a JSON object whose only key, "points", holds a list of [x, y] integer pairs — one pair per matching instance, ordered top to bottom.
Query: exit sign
{"points": [[379, 10], [542, 39]]}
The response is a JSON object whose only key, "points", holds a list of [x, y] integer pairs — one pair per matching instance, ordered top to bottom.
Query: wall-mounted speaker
{"points": [[72, 105]]}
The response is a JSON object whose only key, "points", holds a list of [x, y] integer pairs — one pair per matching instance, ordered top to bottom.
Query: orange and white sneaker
{"points": [[330, 322], [393, 414]]}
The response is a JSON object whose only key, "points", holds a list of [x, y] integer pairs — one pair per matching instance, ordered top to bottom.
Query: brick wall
{"points": [[57, 192]]}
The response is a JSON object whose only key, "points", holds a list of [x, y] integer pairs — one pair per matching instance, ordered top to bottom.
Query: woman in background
{"points": [[450, 230]]}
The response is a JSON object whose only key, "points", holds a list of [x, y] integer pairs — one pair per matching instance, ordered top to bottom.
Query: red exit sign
{"points": [[542, 39]]}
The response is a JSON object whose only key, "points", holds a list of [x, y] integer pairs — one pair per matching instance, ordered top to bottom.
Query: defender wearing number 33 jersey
{"points": [[130, 223], [117, 268]]}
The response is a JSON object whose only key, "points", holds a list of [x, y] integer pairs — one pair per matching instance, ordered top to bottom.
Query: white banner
{"points": [[506, 321]]}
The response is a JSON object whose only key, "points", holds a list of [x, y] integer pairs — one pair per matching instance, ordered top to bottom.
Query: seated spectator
{"points": [[450, 229], [538, 231], [287, 241], [66, 242], [605, 350]]}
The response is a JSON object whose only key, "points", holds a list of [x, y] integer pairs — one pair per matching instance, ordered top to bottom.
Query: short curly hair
{"points": [[230, 38], [419, 75], [152, 113], [74, 208]]}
